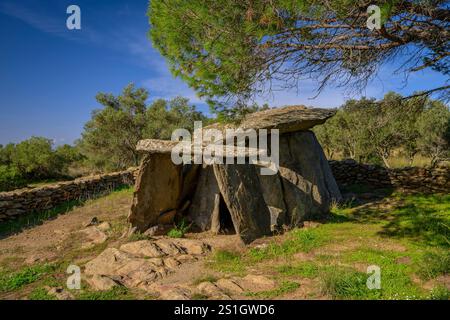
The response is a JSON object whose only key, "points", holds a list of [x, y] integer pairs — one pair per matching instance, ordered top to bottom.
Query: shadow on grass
{"points": [[36, 218], [422, 218]]}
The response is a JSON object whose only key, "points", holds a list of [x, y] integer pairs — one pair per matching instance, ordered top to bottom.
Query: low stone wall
{"points": [[346, 172], [423, 180], [22, 201]]}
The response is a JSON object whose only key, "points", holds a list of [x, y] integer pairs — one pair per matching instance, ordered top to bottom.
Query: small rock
{"points": [[92, 222], [311, 224], [104, 226], [158, 230], [129, 232], [150, 232], [94, 235], [191, 246], [169, 247], [144, 248], [186, 258], [32, 259], [171, 262], [102, 283], [256, 283], [229, 285], [211, 290], [169, 292], [60, 293]]}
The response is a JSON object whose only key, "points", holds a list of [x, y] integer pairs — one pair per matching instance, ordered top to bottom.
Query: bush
{"points": [[35, 160], [10, 179]]}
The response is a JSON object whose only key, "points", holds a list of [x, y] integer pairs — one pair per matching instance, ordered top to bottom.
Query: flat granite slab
{"points": [[287, 119]]}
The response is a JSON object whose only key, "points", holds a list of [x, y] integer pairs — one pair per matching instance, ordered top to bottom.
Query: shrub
{"points": [[10, 179], [179, 230]]}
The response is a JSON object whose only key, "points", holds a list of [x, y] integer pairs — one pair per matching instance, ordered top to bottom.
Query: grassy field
{"points": [[406, 236]]}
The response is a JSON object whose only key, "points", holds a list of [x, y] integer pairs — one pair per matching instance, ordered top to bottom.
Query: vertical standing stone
{"points": [[308, 184], [158, 190], [241, 190], [273, 196], [203, 202], [215, 219]]}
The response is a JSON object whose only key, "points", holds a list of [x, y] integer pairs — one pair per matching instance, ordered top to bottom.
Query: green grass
{"points": [[36, 218], [423, 219], [179, 230], [137, 236], [406, 238], [299, 240], [227, 261], [434, 264], [305, 270], [207, 278], [396, 278], [11, 281], [345, 283], [284, 288], [116, 293], [440, 293], [40, 294], [199, 296]]}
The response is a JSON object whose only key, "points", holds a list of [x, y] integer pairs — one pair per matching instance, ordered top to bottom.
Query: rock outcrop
{"points": [[138, 264]]}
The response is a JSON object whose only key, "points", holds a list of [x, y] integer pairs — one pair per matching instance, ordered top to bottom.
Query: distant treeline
{"points": [[365, 130], [372, 131], [107, 143]]}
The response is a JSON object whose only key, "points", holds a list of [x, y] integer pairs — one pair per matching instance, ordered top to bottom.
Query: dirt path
{"points": [[46, 242]]}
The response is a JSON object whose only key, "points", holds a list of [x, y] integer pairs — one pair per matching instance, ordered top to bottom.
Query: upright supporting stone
{"points": [[308, 184], [158, 190], [241, 190], [273, 196], [203, 202], [215, 219]]}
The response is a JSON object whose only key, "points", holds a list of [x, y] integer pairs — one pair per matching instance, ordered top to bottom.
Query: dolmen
{"points": [[239, 196]]}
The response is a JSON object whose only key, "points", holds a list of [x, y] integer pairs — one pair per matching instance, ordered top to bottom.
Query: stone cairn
{"points": [[220, 197]]}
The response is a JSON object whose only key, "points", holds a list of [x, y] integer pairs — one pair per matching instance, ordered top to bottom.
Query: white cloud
{"points": [[36, 19], [165, 86]]}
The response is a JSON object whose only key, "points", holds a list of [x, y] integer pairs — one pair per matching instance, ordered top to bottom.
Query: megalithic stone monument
{"points": [[238, 196]]}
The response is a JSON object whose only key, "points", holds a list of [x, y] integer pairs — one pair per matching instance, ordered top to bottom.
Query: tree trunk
{"points": [[241, 190]]}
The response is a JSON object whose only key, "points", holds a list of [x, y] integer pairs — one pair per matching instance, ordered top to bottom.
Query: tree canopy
{"points": [[228, 50], [372, 132], [109, 139], [34, 159]]}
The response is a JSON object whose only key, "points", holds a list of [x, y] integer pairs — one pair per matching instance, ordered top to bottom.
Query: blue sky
{"points": [[49, 75]]}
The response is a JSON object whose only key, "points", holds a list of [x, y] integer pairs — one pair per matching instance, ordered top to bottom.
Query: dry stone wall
{"points": [[346, 172], [424, 180], [23, 201]]}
